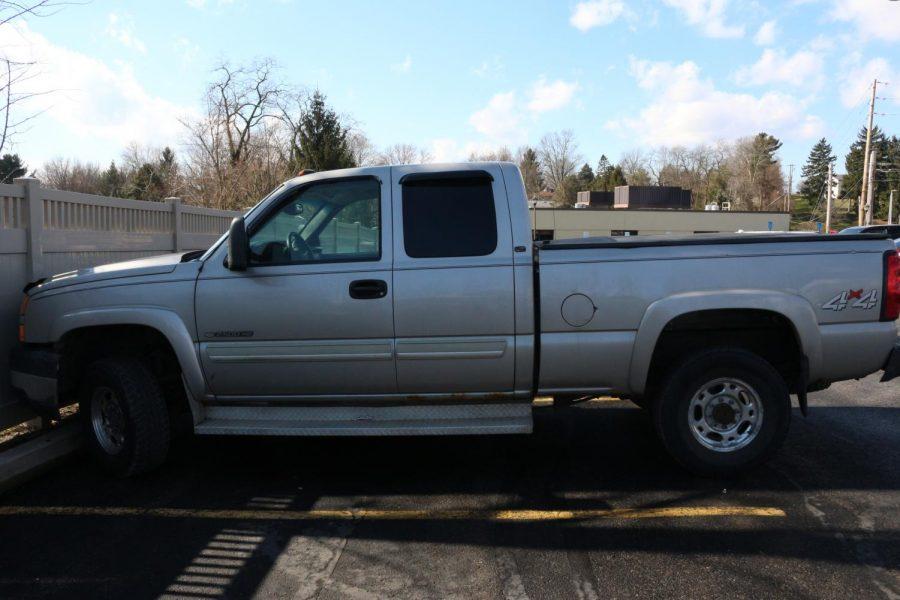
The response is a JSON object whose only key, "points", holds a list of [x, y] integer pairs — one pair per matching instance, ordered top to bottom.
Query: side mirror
{"points": [[238, 245]]}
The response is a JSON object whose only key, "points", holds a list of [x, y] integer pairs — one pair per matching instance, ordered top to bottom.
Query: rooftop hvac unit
{"points": [[651, 197]]}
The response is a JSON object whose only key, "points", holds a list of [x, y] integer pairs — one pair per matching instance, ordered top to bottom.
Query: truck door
{"points": [[453, 283], [312, 316]]}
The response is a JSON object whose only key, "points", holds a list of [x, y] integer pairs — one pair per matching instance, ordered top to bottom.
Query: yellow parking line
{"points": [[370, 514]]}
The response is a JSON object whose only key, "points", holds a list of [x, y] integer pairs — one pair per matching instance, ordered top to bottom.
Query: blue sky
{"points": [[459, 76]]}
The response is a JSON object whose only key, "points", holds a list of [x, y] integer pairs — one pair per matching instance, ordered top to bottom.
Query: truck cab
{"points": [[384, 285]]}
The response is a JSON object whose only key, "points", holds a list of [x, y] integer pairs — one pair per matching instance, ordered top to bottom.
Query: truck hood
{"points": [[153, 265]]}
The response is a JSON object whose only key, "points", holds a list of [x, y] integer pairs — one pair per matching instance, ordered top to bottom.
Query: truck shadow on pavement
{"points": [[597, 458]]}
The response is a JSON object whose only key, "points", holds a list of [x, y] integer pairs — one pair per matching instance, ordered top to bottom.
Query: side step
{"points": [[471, 419]]}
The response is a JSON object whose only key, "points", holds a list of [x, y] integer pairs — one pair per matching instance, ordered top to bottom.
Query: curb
{"points": [[27, 460]]}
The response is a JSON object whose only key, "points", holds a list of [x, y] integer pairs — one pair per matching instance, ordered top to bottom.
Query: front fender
{"points": [[797, 310], [165, 321]]}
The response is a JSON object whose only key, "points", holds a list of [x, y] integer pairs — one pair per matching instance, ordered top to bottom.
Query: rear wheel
{"points": [[722, 411], [125, 418]]}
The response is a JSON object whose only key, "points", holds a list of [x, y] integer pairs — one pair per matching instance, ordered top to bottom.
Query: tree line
{"points": [[254, 132], [746, 172], [886, 174]]}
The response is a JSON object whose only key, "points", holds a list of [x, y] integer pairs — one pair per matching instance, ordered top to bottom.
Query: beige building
{"points": [[559, 223]]}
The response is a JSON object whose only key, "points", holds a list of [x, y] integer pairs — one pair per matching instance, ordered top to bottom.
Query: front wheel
{"points": [[722, 411], [125, 418]]}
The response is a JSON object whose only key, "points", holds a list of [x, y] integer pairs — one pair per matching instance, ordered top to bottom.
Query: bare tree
{"points": [[12, 9], [14, 73], [241, 99], [234, 150], [362, 150], [403, 154], [502, 154], [559, 157], [635, 166], [71, 175]]}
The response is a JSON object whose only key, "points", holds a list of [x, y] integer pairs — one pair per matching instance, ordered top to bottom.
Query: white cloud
{"points": [[201, 4], [596, 13], [709, 15], [879, 19], [121, 28], [765, 35], [185, 49], [403, 66], [489, 68], [803, 69], [856, 77], [547, 96], [90, 98], [688, 109], [502, 120], [499, 121], [445, 150]]}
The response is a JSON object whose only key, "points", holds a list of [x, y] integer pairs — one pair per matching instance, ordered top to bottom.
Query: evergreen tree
{"points": [[320, 141], [765, 147], [887, 152], [853, 162], [602, 165], [11, 167], [530, 167], [764, 168], [815, 171], [168, 173], [608, 176], [585, 177], [889, 177], [616, 178], [112, 181], [145, 184]]}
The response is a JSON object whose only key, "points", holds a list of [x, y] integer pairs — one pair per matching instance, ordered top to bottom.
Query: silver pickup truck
{"points": [[411, 300]]}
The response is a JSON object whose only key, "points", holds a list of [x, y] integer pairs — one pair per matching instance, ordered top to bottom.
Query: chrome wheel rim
{"points": [[725, 414], [108, 420]]}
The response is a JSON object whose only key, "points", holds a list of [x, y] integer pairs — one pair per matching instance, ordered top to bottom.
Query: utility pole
{"points": [[862, 190], [870, 190], [787, 199], [828, 202], [891, 209]]}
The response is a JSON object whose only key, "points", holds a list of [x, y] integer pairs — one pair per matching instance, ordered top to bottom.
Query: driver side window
{"points": [[325, 222]]}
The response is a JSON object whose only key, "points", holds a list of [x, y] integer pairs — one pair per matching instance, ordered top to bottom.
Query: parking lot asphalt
{"points": [[589, 506]]}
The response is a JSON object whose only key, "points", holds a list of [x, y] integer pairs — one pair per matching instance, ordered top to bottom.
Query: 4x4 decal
{"points": [[861, 299]]}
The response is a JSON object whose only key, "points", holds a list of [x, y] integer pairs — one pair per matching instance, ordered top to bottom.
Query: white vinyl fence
{"points": [[45, 231]]}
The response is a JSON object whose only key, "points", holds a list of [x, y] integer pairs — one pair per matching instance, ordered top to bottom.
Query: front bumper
{"points": [[892, 366], [34, 371]]}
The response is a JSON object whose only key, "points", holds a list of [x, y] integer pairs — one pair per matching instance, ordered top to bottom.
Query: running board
{"points": [[472, 419]]}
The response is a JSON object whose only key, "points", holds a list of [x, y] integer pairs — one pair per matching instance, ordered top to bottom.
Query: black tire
{"points": [[672, 413], [144, 418]]}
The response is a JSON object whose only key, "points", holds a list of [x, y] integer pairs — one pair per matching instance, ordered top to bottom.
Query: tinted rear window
{"points": [[449, 217]]}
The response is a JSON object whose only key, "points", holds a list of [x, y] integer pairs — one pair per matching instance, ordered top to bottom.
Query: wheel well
{"points": [[768, 334], [81, 347]]}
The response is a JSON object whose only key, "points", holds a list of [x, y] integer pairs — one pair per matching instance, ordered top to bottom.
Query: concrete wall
{"points": [[576, 223], [45, 231]]}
